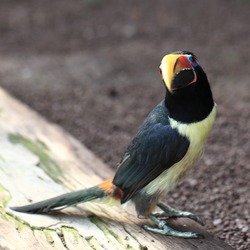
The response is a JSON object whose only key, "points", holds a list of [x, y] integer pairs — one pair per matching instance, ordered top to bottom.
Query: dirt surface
{"points": [[92, 67]]}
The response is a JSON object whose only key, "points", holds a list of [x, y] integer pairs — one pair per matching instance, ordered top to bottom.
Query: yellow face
{"points": [[177, 71]]}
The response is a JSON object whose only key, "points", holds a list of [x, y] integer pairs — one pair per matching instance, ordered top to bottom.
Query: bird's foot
{"points": [[172, 213], [166, 230]]}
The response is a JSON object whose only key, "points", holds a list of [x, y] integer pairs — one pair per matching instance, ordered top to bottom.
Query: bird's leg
{"points": [[172, 213], [166, 230]]}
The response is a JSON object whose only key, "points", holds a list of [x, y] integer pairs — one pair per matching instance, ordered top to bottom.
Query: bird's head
{"points": [[179, 70], [188, 97]]}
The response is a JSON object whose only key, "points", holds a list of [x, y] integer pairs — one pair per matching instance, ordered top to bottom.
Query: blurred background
{"points": [[91, 66]]}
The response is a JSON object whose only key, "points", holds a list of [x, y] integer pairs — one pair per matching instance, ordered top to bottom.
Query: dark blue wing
{"points": [[155, 148]]}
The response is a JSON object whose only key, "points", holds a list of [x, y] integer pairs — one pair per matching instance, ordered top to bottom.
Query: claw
{"points": [[172, 213], [166, 230]]}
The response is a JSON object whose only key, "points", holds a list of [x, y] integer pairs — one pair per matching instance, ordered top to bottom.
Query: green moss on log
{"points": [[41, 150], [5, 196], [109, 233]]}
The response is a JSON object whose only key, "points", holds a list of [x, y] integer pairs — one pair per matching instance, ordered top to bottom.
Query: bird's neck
{"points": [[192, 107]]}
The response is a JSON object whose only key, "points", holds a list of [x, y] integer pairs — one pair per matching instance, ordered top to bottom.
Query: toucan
{"points": [[166, 147]]}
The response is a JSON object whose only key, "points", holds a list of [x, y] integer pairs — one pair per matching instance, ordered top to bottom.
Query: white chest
{"points": [[197, 133]]}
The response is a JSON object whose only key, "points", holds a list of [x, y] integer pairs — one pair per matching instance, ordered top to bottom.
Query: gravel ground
{"points": [[92, 67]]}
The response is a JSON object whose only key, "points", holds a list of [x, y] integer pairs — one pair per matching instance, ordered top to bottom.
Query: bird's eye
{"points": [[194, 60]]}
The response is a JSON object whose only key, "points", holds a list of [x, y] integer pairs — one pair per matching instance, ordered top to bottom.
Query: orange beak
{"points": [[177, 72]]}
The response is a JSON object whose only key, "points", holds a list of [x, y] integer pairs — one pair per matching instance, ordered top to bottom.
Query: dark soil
{"points": [[92, 67]]}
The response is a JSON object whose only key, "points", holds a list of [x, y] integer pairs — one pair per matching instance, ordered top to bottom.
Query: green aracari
{"points": [[166, 147]]}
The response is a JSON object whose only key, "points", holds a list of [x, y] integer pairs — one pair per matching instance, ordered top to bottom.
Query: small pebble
{"points": [[217, 222]]}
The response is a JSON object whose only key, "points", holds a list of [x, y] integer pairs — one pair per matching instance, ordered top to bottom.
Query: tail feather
{"points": [[62, 201]]}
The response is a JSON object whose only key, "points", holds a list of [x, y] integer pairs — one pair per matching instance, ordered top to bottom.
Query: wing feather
{"points": [[153, 150]]}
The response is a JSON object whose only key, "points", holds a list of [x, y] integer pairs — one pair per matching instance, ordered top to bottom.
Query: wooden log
{"points": [[40, 160]]}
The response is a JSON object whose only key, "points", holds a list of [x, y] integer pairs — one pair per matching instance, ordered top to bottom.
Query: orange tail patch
{"points": [[110, 189]]}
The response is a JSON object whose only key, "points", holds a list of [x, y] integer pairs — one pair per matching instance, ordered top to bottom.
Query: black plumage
{"points": [[155, 148]]}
